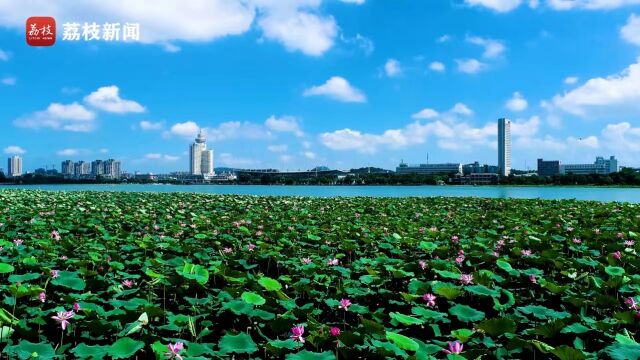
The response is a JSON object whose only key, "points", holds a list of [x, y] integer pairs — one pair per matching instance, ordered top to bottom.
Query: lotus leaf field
{"points": [[95, 275]]}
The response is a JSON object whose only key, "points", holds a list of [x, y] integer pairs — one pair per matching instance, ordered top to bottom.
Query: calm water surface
{"points": [[580, 193]]}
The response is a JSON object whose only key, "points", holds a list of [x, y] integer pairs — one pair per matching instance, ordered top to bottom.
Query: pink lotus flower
{"points": [[358, 215], [433, 229], [421, 230], [259, 233], [55, 235], [620, 235], [455, 239], [577, 241], [18, 242], [629, 243], [250, 247], [227, 250], [526, 253], [496, 254], [616, 255], [459, 259], [306, 261], [333, 262], [423, 264], [54, 273], [466, 279], [533, 279], [127, 283], [42, 296], [430, 299], [631, 302], [344, 304], [76, 307], [63, 317], [335, 331], [297, 332], [454, 348], [174, 351]]}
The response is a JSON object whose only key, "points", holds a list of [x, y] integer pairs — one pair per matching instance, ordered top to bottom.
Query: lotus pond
{"points": [[98, 275]]}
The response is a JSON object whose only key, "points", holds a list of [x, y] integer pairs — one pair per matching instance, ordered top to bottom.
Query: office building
{"points": [[504, 146], [200, 159], [14, 166], [601, 166], [68, 168], [447, 168], [477, 168], [548, 168]]}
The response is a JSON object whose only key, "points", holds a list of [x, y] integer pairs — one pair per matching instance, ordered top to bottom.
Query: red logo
{"points": [[41, 31]]}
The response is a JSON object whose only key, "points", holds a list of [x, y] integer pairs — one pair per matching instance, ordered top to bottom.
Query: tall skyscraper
{"points": [[504, 146], [200, 159], [14, 166], [68, 168], [112, 169]]}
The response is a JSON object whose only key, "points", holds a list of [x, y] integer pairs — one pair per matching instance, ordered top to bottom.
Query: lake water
{"points": [[548, 192]]}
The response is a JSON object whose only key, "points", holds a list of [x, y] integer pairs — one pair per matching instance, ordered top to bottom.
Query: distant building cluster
{"points": [[601, 166], [108, 169]]}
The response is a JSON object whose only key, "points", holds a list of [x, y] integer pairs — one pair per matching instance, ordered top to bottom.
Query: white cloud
{"points": [[357, 2], [589, 4], [496, 5], [630, 32], [309, 33], [444, 38], [362, 42], [492, 48], [4, 56], [437, 66], [470, 66], [392, 68], [9, 80], [570, 80], [337, 88], [617, 91], [107, 98], [517, 102], [462, 109], [425, 114], [71, 117], [284, 124], [148, 125], [525, 128], [188, 129], [224, 131], [448, 132], [622, 137], [589, 142], [278, 148], [14, 150], [103, 151], [68, 152], [309, 155], [157, 156], [285, 158], [230, 160]]}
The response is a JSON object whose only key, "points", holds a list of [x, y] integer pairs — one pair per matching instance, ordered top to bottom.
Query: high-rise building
{"points": [[504, 146], [200, 159], [207, 163], [14, 166], [97, 167], [68, 168], [82, 168], [446, 168], [112, 169]]}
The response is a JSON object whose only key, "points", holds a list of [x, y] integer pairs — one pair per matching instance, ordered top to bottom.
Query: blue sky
{"points": [[292, 84]]}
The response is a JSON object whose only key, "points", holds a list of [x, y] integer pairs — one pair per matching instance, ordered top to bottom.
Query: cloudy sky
{"points": [[293, 84]]}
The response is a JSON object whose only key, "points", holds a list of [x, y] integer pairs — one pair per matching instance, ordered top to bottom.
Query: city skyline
{"points": [[343, 93]]}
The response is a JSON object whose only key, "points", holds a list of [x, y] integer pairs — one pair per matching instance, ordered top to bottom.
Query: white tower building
{"points": [[504, 146], [200, 159]]}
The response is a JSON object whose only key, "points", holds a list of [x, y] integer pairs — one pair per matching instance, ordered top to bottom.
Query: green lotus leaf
{"points": [[269, 283], [253, 298], [466, 313], [497, 326], [403, 342], [239, 344]]}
